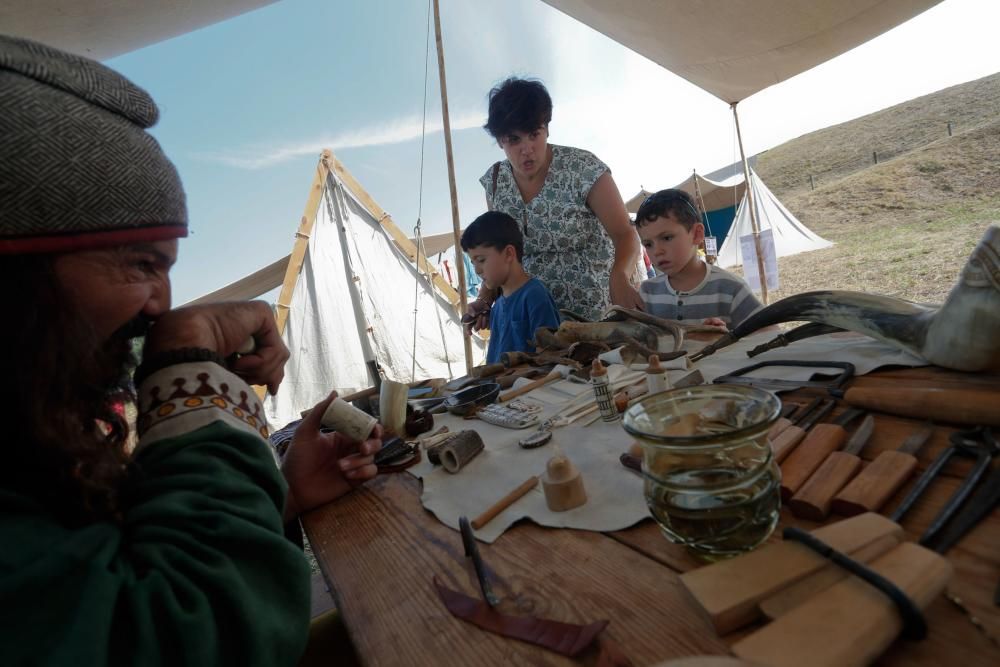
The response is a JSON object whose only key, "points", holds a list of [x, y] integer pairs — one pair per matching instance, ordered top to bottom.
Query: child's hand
{"points": [[714, 322]]}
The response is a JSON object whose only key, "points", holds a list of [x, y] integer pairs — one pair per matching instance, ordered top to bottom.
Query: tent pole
{"points": [[753, 209], [456, 225]]}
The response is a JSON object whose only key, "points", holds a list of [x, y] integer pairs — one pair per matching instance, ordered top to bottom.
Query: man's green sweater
{"points": [[197, 573]]}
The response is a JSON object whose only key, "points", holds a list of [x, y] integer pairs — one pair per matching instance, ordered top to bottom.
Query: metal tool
{"points": [[742, 376], [788, 412], [789, 439], [978, 444], [810, 454], [882, 478], [813, 500], [472, 551]]}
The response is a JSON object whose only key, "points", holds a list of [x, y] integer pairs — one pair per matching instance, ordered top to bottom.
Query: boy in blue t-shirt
{"points": [[495, 246]]}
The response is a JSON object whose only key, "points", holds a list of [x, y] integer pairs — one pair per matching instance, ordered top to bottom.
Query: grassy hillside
{"points": [[905, 226]]}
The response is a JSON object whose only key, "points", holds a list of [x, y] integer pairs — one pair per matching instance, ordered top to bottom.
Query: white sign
{"points": [[711, 249], [748, 252]]}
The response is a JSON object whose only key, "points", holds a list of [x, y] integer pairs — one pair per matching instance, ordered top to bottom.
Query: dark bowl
{"points": [[465, 402]]}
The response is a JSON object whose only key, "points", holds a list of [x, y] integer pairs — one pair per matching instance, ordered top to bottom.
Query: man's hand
{"points": [[622, 293], [714, 322], [225, 328], [321, 467]]}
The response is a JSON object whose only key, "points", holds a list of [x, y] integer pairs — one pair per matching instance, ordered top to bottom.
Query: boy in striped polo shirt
{"points": [[687, 288]]}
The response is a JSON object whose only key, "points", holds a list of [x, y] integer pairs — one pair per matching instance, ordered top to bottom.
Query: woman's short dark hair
{"points": [[518, 105], [493, 229]]}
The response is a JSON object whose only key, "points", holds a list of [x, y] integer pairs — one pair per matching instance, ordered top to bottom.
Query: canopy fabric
{"points": [[102, 29], [735, 48], [714, 194], [790, 235], [257, 283], [354, 300]]}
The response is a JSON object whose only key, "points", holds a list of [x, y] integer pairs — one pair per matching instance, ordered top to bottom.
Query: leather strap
{"points": [[493, 192]]}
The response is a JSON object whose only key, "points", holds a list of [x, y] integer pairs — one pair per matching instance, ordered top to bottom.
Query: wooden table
{"points": [[379, 549]]}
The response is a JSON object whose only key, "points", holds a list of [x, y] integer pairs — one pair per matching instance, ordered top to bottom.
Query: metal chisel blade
{"points": [[860, 437], [913, 443]]}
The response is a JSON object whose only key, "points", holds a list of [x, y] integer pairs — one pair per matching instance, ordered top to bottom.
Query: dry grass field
{"points": [[906, 225]]}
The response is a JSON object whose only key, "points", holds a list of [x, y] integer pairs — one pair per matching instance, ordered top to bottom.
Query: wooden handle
{"points": [[488, 370], [534, 384], [954, 406], [778, 427], [788, 440], [808, 456], [870, 490], [813, 500], [504, 503], [850, 622]]}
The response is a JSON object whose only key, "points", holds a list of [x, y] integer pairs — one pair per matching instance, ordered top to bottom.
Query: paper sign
{"points": [[711, 249], [748, 252]]}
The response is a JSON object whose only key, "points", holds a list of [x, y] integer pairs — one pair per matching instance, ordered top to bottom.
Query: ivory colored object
{"points": [[656, 376], [392, 406], [347, 420], [563, 485], [851, 623]]}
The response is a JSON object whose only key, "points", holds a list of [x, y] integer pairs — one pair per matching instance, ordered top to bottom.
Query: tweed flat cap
{"points": [[77, 168]]}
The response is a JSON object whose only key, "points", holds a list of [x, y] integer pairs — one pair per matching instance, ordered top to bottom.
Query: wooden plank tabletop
{"points": [[379, 550]]}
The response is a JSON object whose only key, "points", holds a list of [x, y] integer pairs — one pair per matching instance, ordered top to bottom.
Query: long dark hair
{"points": [[55, 378]]}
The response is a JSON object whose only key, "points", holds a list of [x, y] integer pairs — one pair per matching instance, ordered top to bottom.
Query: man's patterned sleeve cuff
{"points": [[182, 398]]}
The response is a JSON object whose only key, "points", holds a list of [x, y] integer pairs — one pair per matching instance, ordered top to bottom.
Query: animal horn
{"points": [[963, 334]]}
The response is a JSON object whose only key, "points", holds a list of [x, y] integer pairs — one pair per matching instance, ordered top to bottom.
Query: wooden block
{"points": [[778, 426], [822, 440], [563, 485], [872, 488], [813, 500], [803, 590], [730, 591], [852, 622]]}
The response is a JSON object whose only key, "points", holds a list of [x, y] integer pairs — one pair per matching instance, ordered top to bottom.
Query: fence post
{"points": [[949, 128], [875, 156], [812, 184]]}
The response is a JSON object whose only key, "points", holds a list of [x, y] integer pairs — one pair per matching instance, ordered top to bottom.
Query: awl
{"points": [[783, 445], [808, 456], [883, 477], [814, 498]]}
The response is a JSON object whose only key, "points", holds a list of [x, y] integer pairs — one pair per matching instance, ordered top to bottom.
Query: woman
{"points": [[577, 236]]}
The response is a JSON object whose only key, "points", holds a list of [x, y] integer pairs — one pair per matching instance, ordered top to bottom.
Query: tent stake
{"points": [[753, 209], [459, 267]]}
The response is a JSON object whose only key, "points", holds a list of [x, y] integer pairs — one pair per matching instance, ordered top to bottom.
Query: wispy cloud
{"points": [[383, 134]]}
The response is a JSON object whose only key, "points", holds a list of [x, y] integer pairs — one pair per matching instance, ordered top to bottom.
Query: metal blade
{"points": [[691, 379], [860, 437], [914, 442]]}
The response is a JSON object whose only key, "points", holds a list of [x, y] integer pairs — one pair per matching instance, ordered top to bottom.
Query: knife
{"points": [[883, 477], [813, 500], [472, 551]]}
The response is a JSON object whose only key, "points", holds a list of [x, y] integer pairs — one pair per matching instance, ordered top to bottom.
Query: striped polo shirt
{"points": [[720, 294]]}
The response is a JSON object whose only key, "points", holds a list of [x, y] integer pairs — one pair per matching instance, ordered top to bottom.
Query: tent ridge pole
{"points": [[753, 208], [456, 224]]}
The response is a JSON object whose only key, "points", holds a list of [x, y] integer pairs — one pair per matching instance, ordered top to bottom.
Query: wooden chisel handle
{"points": [[534, 384], [954, 406], [779, 426], [783, 445], [808, 456], [872, 489], [814, 498]]}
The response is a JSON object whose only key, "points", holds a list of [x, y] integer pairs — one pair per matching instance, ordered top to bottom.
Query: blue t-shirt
{"points": [[513, 319]]}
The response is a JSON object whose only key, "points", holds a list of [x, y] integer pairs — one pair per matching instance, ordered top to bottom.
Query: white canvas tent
{"points": [[728, 210], [790, 236], [348, 297]]}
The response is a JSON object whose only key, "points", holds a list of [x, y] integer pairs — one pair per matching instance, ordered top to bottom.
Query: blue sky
{"points": [[247, 105]]}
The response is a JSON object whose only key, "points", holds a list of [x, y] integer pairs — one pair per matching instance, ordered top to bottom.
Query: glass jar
{"points": [[711, 481]]}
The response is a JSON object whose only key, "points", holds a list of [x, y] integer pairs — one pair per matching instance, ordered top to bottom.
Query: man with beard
{"points": [[173, 554]]}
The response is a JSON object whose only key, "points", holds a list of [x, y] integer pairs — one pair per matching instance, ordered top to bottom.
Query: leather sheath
{"points": [[566, 638]]}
